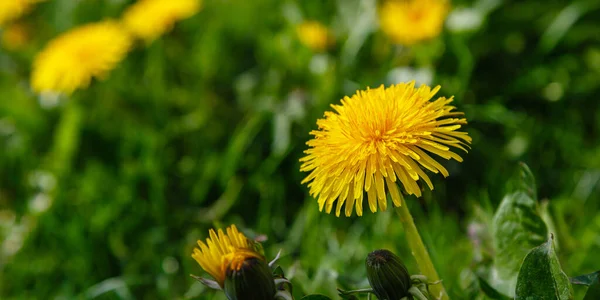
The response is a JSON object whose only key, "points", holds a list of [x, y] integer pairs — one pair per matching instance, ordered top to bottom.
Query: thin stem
{"points": [[66, 139], [420, 252], [346, 293]]}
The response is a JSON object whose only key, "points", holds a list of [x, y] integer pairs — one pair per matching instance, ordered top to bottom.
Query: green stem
{"points": [[66, 139], [420, 252]]}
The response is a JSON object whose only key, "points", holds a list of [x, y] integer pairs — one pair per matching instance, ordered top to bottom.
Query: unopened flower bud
{"points": [[387, 275], [249, 279]]}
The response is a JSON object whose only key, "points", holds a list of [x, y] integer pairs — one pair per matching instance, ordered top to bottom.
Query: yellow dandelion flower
{"points": [[11, 10], [148, 19], [408, 22], [314, 35], [16, 36], [71, 60], [377, 138], [223, 252]]}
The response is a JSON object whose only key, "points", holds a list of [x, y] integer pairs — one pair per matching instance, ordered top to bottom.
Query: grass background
{"points": [[102, 196]]}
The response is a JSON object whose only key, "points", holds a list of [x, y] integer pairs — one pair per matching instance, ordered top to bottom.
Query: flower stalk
{"points": [[66, 138], [419, 252]]}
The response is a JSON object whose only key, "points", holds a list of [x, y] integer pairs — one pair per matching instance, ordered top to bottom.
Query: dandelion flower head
{"points": [[13, 9], [148, 19], [408, 22], [314, 35], [71, 60], [377, 139], [223, 251]]}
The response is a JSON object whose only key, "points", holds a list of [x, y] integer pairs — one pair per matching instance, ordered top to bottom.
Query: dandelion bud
{"points": [[387, 275], [249, 278]]}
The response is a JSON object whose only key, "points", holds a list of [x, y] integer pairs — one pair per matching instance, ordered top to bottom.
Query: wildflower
{"points": [[11, 10], [148, 19], [408, 22], [314, 35], [15, 36], [71, 60], [376, 138], [222, 250], [239, 267], [387, 275], [249, 278], [389, 278]]}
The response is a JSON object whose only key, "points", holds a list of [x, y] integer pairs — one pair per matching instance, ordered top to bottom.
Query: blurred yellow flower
{"points": [[13, 9], [148, 19], [408, 22], [314, 35], [15, 36], [71, 60], [375, 139], [224, 251]]}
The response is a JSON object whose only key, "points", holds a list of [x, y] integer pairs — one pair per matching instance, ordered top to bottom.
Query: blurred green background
{"points": [[103, 195]]}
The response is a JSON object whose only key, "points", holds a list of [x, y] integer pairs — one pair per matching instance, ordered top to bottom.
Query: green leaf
{"points": [[525, 181], [546, 215], [516, 228], [541, 277], [587, 279], [593, 281], [489, 291], [315, 297]]}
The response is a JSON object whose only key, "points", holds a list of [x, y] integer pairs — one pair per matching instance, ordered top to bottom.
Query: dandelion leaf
{"points": [[524, 181], [516, 228], [541, 277], [587, 279], [593, 281]]}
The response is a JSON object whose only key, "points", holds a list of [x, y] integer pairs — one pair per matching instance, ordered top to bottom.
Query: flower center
{"points": [[415, 15]]}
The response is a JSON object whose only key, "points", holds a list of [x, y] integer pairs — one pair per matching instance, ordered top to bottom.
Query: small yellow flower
{"points": [[11, 10], [148, 19], [408, 22], [314, 35], [15, 36], [71, 60], [379, 138], [223, 252]]}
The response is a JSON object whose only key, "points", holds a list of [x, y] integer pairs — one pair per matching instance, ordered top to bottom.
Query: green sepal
{"points": [[387, 275], [253, 280], [207, 282]]}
